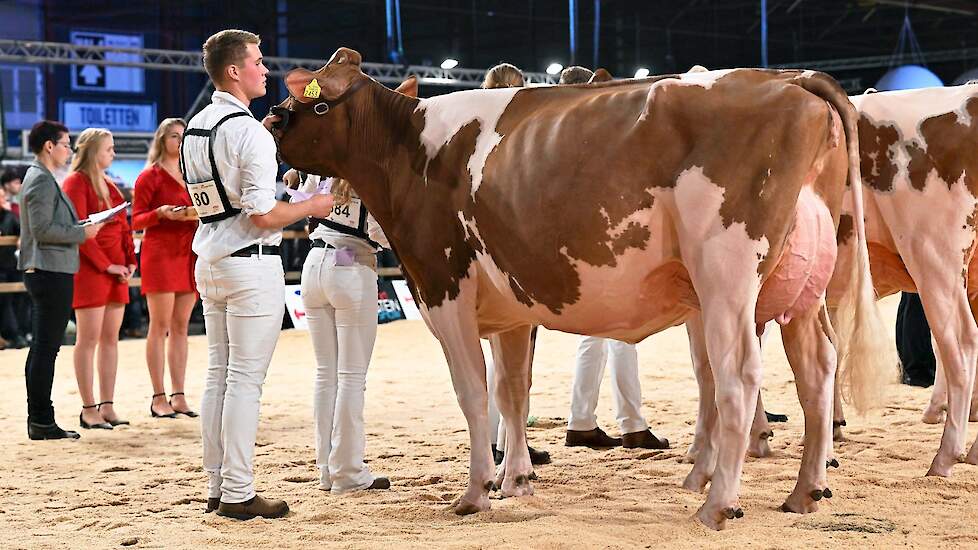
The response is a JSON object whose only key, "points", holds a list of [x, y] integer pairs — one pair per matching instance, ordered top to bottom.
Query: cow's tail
{"points": [[866, 360]]}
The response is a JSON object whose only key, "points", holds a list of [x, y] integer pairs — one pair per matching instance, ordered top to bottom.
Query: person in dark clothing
{"points": [[13, 324], [913, 342]]}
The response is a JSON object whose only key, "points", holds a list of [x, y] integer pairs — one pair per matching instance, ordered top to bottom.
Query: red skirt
{"points": [[98, 289]]}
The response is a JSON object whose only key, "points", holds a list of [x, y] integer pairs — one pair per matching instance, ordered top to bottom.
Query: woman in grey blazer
{"points": [[49, 240]]}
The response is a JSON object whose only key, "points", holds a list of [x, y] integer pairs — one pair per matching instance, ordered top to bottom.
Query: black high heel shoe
{"points": [[189, 413], [156, 414], [115, 422], [95, 426]]}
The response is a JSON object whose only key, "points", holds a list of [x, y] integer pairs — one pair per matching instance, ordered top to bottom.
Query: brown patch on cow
{"points": [[654, 142], [949, 149], [876, 153], [846, 230]]}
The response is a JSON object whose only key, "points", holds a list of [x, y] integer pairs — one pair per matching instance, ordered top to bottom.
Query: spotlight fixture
{"points": [[449, 63], [554, 68], [642, 73]]}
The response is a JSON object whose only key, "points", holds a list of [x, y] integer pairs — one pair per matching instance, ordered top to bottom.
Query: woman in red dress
{"points": [[161, 207], [102, 281]]}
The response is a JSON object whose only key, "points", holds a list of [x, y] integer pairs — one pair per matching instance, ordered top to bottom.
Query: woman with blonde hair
{"points": [[504, 75], [161, 207], [102, 281], [339, 292]]}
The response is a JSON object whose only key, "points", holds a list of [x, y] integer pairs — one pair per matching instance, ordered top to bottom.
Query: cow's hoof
{"points": [[933, 415], [837, 434], [759, 447], [972, 457], [831, 463], [941, 466], [696, 481], [519, 486], [819, 494], [801, 503], [465, 507], [716, 518]]}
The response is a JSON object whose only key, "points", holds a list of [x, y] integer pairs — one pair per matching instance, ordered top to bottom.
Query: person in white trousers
{"points": [[228, 160], [339, 293], [582, 427]]}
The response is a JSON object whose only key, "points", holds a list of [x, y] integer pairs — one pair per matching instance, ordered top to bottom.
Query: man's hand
{"points": [[270, 121], [291, 179], [320, 206], [92, 230]]}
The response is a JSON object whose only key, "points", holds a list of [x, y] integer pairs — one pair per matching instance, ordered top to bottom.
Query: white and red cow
{"points": [[919, 159], [919, 164], [617, 210]]}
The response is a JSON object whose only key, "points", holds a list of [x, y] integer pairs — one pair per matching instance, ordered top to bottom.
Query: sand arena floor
{"points": [[142, 485]]}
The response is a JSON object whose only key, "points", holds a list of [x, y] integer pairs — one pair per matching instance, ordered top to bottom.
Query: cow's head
{"points": [[318, 116]]}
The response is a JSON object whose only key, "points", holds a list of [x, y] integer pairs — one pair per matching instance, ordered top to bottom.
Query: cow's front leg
{"points": [[454, 324], [511, 354]]}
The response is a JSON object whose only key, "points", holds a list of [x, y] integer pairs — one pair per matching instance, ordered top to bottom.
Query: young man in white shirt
{"points": [[231, 174]]}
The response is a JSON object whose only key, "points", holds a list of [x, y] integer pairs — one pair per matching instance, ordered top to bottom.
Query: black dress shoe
{"points": [[775, 417], [39, 432], [592, 439], [643, 439], [497, 455], [536, 457], [381, 483], [212, 504]]}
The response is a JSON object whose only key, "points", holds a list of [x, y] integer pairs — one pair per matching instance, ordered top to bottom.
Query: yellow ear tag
{"points": [[312, 90]]}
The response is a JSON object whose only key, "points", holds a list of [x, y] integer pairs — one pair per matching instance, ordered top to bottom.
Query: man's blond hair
{"points": [[225, 48]]}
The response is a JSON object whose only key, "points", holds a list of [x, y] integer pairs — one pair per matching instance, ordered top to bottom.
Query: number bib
{"points": [[206, 199], [348, 214]]}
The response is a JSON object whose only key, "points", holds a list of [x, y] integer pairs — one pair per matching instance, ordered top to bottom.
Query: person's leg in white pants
{"points": [[243, 304], [341, 307], [623, 360], [587, 384]]}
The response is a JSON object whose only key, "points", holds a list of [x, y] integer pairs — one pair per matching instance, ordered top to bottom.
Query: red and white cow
{"points": [[919, 164], [617, 210]]}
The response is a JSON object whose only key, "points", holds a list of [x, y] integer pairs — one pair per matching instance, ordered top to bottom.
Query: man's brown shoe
{"points": [[594, 439], [644, 439], [212, 504], [254, 507]]}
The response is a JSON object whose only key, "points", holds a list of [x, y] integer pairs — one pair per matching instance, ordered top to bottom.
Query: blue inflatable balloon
{"points": [[908, 77]]}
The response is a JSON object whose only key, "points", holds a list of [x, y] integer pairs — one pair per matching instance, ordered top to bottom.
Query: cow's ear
{"points": [[600, 75], [329, 82], [304, 85], [409, 87]]}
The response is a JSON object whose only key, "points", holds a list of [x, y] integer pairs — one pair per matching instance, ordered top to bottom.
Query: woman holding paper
{"points": [[161, 208], [102, 280]]}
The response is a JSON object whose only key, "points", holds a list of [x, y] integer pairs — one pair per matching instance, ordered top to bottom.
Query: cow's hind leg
{"points": [[956, 335], [511, 354], [813, 361], [760, 432], [703, 452]]}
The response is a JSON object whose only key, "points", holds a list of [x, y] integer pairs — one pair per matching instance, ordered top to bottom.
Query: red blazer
{"points": [[113, 244]]}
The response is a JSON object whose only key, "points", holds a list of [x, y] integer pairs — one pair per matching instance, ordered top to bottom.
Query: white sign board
{"points": [[101, 78], [122, 117], [293, 302], [408, 306]]}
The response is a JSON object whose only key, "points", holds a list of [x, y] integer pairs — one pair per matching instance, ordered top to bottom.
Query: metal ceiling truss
{"points": [[60, 53]]}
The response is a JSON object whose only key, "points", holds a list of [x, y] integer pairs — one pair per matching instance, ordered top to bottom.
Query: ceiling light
{"points": [[449, 63], [554, 68], [642, 73]]}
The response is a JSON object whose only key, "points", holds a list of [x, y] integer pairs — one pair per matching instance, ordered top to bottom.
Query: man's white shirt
{"points": [[245, 154]]}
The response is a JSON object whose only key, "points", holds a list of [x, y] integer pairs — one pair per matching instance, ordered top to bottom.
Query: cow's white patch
{"points": [[704, 79], [907, 109], [445, 115], [700, 225]]}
